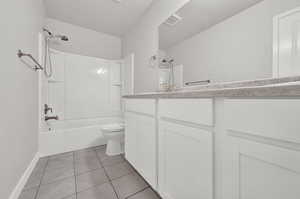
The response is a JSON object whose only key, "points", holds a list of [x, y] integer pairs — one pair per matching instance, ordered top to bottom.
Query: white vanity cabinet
{"points": [[141, 137], [185, 148], [262, 150]]}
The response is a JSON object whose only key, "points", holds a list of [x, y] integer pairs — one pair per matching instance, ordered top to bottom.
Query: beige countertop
{"points": [[274, 87]]}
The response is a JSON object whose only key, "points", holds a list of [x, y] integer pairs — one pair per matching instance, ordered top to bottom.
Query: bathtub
{"points": [[69, 135]]}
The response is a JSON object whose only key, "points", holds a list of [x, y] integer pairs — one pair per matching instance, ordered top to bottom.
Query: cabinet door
{"points": [[131, 138], [141, 145], [146, 149], [185, 162], [255, 170]]}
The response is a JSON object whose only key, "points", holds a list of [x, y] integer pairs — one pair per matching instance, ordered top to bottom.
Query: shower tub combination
{"points": [[83, 92], [64, 136]]}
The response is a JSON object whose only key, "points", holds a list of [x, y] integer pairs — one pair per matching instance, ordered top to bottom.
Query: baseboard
{"points": [[19, 187]]}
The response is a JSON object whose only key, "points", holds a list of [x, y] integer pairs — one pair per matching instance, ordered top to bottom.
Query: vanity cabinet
{"points": [[141, 138], [185, 148], [216, 148], [262, 149]]}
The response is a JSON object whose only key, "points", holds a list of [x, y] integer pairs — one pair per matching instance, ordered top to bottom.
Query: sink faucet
{"points": [[51, 118]]}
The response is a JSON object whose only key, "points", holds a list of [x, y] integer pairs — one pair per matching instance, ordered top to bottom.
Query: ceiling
{"points": [[100, 15], [199, 16]]}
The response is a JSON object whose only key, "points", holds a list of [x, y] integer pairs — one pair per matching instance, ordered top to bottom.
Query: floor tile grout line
{"points": [[102, 168], [44, 170], [89, 171], [75, 176], [69, 177], [61, 179], [58, 180], [109, 180], [40, 184], [112, 185], [92, 187], [155, 192], [68, 196], [127, 197]]}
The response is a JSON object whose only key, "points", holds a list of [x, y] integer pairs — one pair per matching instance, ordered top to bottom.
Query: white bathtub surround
{"points": [[83, 87], [84, 92], [65, 136]]}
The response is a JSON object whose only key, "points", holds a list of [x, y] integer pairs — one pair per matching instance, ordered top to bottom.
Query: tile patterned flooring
{"points": [[86, 174]]}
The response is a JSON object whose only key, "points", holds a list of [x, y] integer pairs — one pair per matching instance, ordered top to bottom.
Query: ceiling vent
{"points": [[173, 20]]}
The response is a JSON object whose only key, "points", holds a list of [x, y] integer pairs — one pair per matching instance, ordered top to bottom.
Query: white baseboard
{"points": [[19, 187]]}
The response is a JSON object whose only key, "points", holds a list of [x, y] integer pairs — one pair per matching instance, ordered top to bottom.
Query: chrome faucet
{"points": [[47, 109], [51, 118]]}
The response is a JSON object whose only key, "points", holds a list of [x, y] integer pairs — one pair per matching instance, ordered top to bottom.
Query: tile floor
{"points": [[85, 174]]}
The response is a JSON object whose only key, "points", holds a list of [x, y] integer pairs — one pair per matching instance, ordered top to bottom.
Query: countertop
{"points": [[273, 87]]}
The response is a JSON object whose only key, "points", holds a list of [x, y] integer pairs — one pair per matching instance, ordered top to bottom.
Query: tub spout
{"points": [[51, 118]]}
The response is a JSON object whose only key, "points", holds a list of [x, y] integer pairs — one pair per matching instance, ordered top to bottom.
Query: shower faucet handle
{"points": [[47, 108], [51, 118]]}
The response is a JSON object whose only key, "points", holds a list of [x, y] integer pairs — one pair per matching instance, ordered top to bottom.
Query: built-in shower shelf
{"points": [[55, 81], [117, 84]]}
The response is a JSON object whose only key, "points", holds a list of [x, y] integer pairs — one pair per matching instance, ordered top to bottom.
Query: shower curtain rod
{"points": [[36, 67]]}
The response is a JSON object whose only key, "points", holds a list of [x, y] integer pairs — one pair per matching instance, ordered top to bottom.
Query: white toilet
{"points": [[114, 134]]}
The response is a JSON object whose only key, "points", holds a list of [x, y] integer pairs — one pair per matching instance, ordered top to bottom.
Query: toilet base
{"points": [[114, 147]]}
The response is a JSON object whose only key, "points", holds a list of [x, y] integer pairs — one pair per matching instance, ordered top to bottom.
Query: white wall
{"points": [[20, 22], [142, 40], [85, 41], [239, 48]]}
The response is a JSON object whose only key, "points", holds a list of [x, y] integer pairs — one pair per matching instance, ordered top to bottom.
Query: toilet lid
{"points": [[113, 127]]}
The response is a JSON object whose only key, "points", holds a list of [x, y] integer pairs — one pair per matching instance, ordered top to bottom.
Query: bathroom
{"points": [[149, 99]]}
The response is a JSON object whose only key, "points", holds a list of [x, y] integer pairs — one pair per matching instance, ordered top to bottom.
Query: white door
{"points": [[287, 44], [128, 75], [131, 138], [140, 145], [146, 148], [261, 151], [185, 162], [255, 170]]}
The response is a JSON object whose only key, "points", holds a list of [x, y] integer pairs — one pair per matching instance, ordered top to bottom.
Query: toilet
{"points": [[114, 134]]}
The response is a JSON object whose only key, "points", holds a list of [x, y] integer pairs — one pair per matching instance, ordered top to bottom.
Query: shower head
{"points": [[51, 36], [62, 37]]}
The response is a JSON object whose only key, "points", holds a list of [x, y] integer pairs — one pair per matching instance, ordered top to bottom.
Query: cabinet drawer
{"points": [[146, 106], [199, 111], [273, 118]]}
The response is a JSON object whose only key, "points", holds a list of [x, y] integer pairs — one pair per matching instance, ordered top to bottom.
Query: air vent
{"points": [[173, 20]]}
